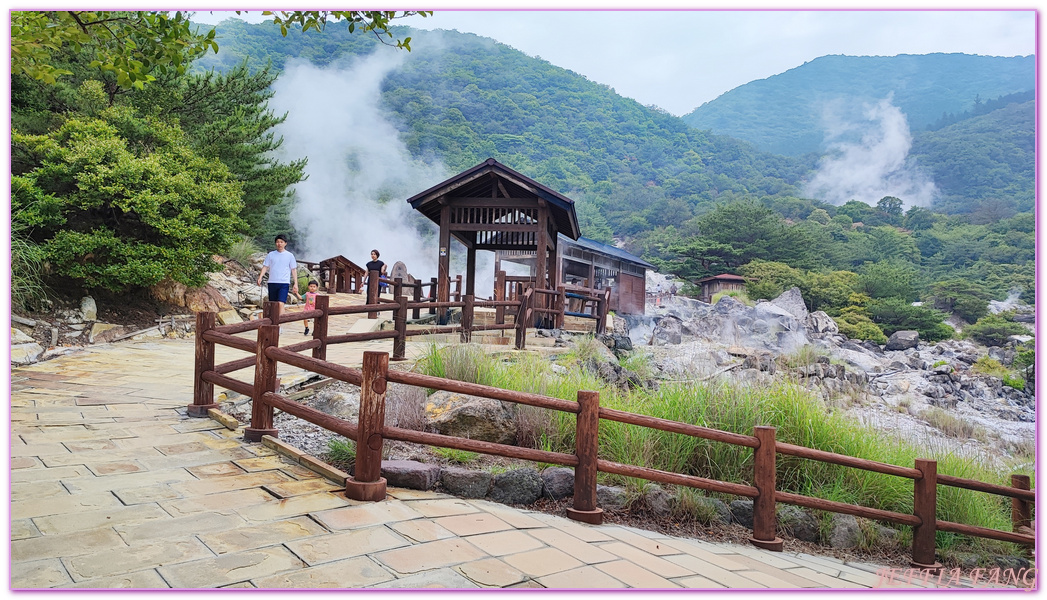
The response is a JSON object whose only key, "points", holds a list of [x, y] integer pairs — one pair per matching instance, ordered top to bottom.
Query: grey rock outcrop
{"points": [[792, 301], [89, 308], [820, 322], [658, 501], [742, 512], [798, 523], [844, 531]]}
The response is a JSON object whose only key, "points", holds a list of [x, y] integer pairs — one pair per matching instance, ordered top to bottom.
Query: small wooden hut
{"points": [[343, 275], [724, 282]]}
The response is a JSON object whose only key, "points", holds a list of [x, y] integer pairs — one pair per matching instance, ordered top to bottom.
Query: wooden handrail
{"points": [[267, 353]]}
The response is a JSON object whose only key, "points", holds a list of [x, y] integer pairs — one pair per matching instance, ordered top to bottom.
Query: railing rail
{"points": [[370, 431]]}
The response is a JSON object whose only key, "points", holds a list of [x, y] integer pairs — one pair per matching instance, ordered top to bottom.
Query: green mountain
{"points": [[460, 98], [790, 113]]}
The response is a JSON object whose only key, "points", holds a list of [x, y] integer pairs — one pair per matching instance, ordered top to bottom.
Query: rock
{"points": [[206, 299], [792, 301], [89, 308], [228, 317], [820, 322], [32, 323], [103, 332], [20, 337], [902, 340], [24, 354], [339, 404], [471, 417], [410, 474], [465, 483], [557, 483], [519, 486], [611, 497], [658, 501], [742, 512], [798, 523], [843, 531]]}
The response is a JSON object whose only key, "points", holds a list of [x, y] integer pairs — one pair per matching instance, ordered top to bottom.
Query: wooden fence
{"points": [[370, 430]]}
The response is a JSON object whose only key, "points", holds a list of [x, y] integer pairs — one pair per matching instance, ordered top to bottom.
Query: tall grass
{"points": [[242, 249], [28, 290], [799, 418]]}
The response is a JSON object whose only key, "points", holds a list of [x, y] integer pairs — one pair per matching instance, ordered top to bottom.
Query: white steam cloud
{"points": [[875, 165], [359, 173]]}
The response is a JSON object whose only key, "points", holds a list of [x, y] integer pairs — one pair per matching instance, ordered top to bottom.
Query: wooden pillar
{"points": [[541, 259], [443, 271], [470, 271], [332, 280], [358, 281], [458, 288], [372, 291], [432, 293], [499, 295], [417, 298], [561, 306], [523, 315], [467, 319], [400, 321], [320, 330], [264, 381], [203, 391], [586, 448], [764, 478], [367, 483], [925, 507], [1021, 513]]}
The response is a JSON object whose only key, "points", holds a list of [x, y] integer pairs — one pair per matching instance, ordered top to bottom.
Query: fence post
{"points": [[458, 288], [372, 291], [432, 294], [499, 295], [417, 298], [323, 303], [561, 306], [467, 319], [521, 321], [400, 322], [264, 381], [203, 391], [586, 448], [367, 483], [925, 507], [1021, 514], [765, 519]]}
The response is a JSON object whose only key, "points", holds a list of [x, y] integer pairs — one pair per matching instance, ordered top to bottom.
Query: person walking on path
{"points": [[283, 272]]}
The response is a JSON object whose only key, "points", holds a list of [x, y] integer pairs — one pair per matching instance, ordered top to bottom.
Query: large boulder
{"points": [[202, 299], [792, 301], [89, 307], [820, 322], [903, 340], [471, 417], [611, 497], [797, 523], [844, 531]]}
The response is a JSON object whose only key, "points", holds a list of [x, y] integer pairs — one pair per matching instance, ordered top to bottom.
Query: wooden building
{"points": [[492, 207], [585, 263], [341, 275], [724, 282]]}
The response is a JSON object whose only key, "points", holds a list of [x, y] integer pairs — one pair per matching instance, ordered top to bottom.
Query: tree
{"points": [[131, 44], [138, 45], [226, 117], [892, 207], [114, 213], [890, 279], [968, 299], [895, 314], [994, 330]]}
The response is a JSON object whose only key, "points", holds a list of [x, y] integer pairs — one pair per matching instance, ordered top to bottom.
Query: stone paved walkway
{"points": [[113, 486]]}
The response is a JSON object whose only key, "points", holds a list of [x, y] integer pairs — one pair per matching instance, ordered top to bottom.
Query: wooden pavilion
{"points": [[492, 207]]}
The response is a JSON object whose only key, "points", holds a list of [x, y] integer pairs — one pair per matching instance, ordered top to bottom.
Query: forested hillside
{"points": [[790, 113]]}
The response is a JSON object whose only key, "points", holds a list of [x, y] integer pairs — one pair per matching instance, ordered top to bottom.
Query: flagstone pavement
{"points": [[114, 486]]}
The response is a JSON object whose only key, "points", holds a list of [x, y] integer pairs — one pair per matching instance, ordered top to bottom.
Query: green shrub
{"points": [[242, 249], [28, 290], [895, 314], [859, 327], [993, 330], [989, 366], [1014, 381], [341, 451], [456, 456]]}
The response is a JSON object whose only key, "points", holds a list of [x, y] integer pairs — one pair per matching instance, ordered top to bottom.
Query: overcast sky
{"points": [[679, 59]]}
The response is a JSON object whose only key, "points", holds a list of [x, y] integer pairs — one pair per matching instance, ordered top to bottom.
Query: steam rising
{"points": [[875, 165], [359, 173]]}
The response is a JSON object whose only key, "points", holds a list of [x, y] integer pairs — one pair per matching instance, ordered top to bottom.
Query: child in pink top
{"points": [[310, 301]]}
